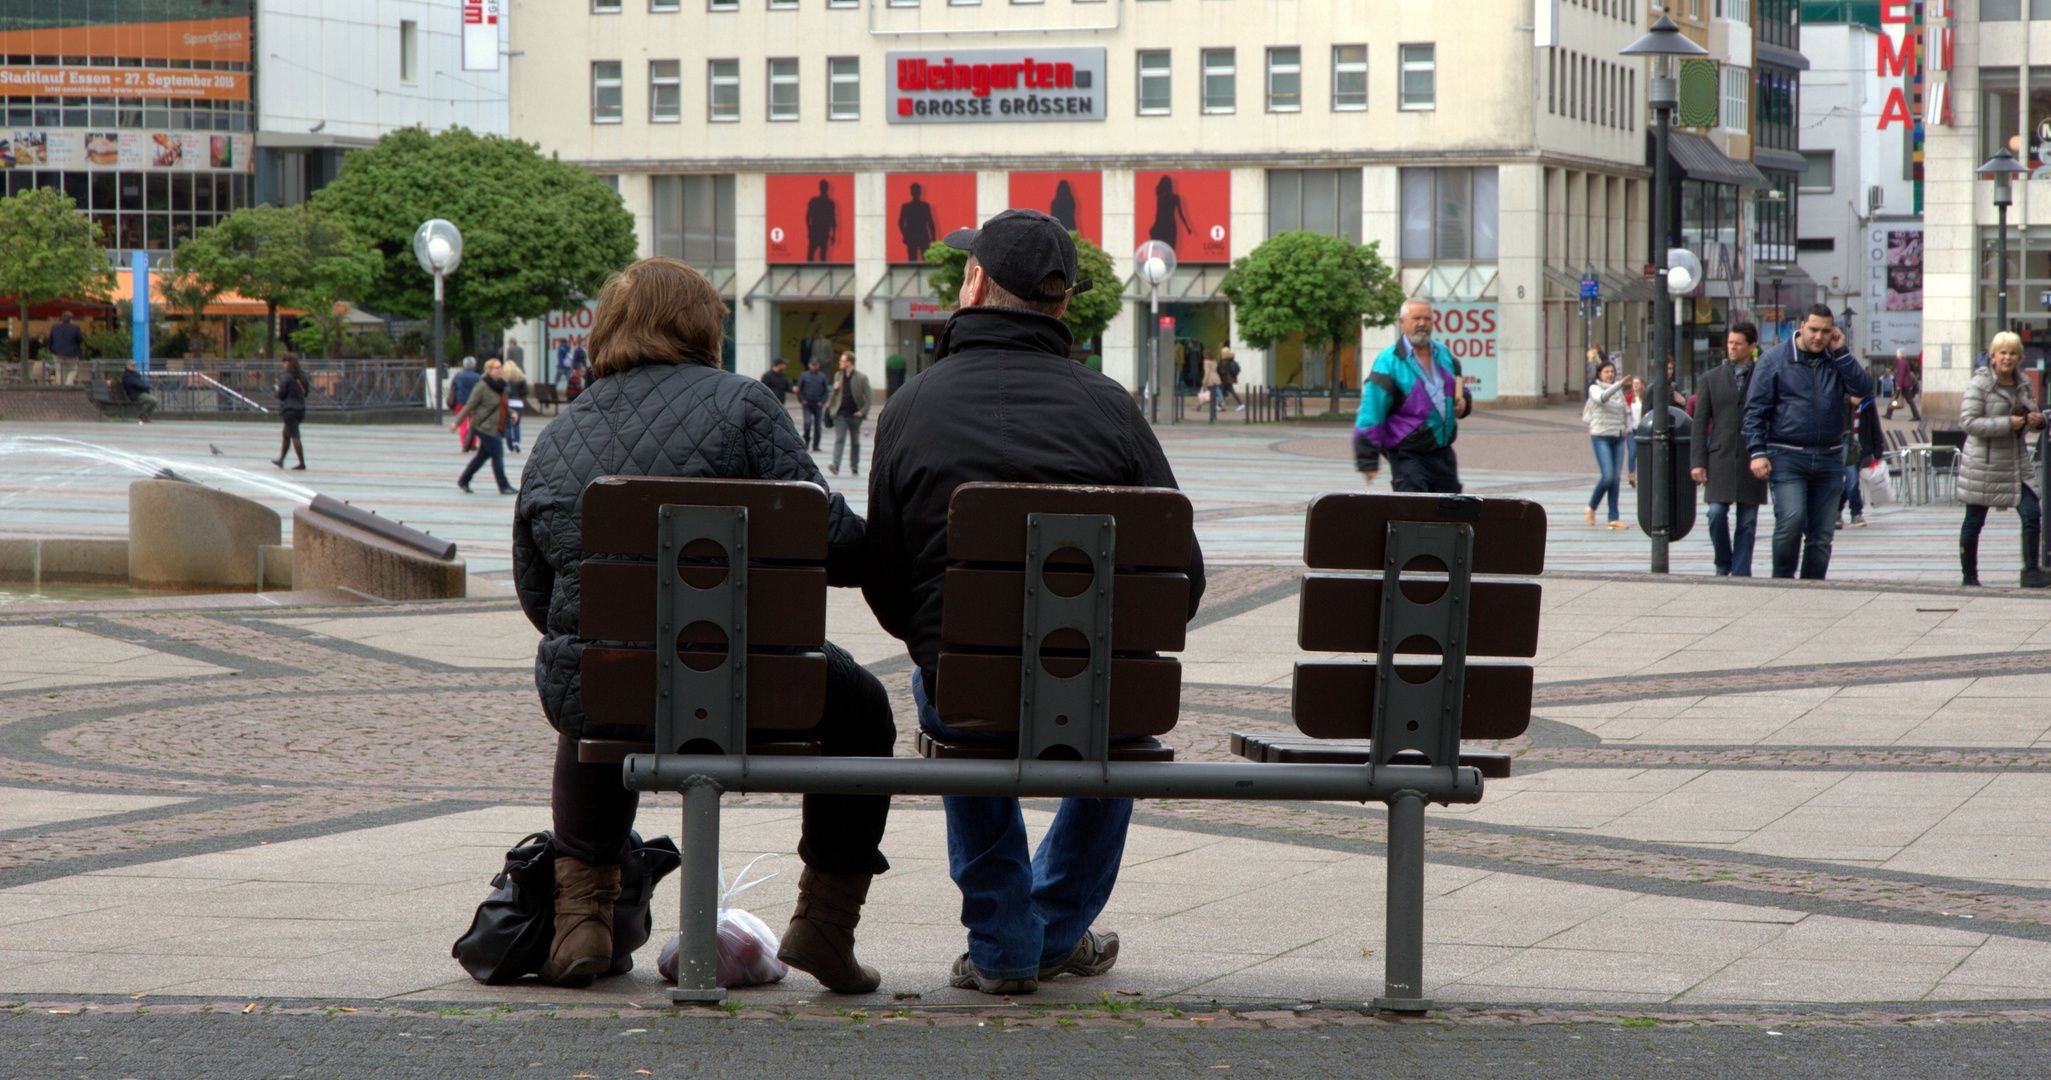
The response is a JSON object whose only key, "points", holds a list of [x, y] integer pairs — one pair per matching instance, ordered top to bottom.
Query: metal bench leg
{"points": [[698, 878], [1403, 948]]}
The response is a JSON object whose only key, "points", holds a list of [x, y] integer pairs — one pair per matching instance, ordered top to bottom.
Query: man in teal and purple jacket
{"points": [[1411, 404]]}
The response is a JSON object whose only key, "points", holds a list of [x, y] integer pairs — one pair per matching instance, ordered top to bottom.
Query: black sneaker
{"points": [[2033, 578], [1093, 955], [967, 976]]}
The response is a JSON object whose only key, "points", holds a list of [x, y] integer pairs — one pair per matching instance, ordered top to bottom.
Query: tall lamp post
{"points": [[1663, 42], [2004, 168], [439, 247], [1156, 261]]}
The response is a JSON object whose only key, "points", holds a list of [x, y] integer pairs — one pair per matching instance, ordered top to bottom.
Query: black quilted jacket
{"points": [[655, 420]]}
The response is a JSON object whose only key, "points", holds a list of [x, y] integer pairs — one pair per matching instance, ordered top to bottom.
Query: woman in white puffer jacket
{"points": [[1609, 424]]}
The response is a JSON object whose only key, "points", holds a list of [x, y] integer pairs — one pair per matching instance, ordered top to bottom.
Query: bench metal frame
{"points": [[1071, 716]]}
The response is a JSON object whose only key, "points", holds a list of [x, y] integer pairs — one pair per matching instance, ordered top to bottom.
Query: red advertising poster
{"points": [[1076, 199], [923, 207], [1189, 211], [812, 218]]}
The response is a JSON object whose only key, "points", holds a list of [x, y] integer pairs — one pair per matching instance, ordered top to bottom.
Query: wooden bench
{"points": [[545, 395], [108, 397], [1058, 602]]}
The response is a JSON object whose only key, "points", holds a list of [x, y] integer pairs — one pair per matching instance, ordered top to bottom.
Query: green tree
{"points": [[538, 234], [48, 251], [281, 256], [1323, 287], [188, 294], [1088, 313]]}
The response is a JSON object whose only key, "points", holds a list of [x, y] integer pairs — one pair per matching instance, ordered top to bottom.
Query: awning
{"points": [[1778, 57], [1699, 159], [1781, 161], [722, 279], [1455, 282], [804, 283], [901, 283], [1187, 285], [227, 303]]}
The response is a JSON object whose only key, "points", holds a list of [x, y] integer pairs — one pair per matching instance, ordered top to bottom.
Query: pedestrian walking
{"points": [[67, 342], [514, 355], [562, 362], [1591, 365], [580, 375], [1228, 377], [774, 379], [135, 386], [1211, 386], [460, 387], [292, 388], [1907, 388], [813, 389], [516, 400], [1005, 402], [1411, 404], [1634, 404], [660, 405], [846, 408], [1998, 412], [485, 416], [1608, 418], [1794, 435], [1862, 448], [1717, 457]]}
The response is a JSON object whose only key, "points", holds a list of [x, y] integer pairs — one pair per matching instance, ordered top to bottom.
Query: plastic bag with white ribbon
{"points": [[747, 946]]}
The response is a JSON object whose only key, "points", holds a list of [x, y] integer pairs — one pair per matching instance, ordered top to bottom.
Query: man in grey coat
{"points": [[1717, 454]]}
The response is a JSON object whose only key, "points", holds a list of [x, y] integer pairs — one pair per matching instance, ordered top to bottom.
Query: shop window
{"points": [[2000, 10], [1419, 77], [1349, 78], [1220, 79], [1285, 80], [1153, 83], [843, 88], [783, 89], [723, 90], [665, 91], [606, 96], [2000, 109], [2036, 141], [1317, 200], [1450, 214], [694, 219]]}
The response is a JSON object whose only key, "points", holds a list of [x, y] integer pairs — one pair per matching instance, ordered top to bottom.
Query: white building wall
{"points": [[335, 63]]}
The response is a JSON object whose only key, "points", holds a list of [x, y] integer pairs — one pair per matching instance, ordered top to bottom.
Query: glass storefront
{"points": [[2029, 290]]}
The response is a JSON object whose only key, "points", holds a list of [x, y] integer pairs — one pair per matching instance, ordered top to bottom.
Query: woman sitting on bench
{"points": [[659, 405]]}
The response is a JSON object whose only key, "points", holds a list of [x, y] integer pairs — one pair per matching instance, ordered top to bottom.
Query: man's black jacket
{"points": [[134, 384], [1003, 402]]}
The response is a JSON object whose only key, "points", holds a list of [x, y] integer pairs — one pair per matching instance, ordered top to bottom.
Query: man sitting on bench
{"points": [[1004, 402]]}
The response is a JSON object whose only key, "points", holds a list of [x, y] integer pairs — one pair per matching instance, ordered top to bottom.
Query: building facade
{"points": [[804, 152]]}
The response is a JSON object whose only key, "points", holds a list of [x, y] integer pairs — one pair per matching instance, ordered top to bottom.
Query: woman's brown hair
{"points": [[657, 311]]}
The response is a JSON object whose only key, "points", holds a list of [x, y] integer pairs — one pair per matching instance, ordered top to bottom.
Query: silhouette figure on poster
{"points": [[1063, 208], [1167, 211], [822, 224], [916, 225]]}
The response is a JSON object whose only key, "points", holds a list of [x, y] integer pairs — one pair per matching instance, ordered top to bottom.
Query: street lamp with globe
{"points": [[2004, 168], [439, 247], [1156, 261]]}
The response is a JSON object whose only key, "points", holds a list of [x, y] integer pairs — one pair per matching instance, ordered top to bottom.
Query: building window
{"points": [[843, 3], [665, 5], [722, 5], [783, 5], [605, 7], [2000, 10], [1738, 11], [409, 51], [1419, 77], [1349, 78], [1285, 80], [1552, 81], [1153, 83], [843, 88], [1219, 88], [783, 89], [723, 90], [665, 91], [605, 92], [1737, 104], [1819, 176], [1317, 200], [1449, 214], [694, 219]]}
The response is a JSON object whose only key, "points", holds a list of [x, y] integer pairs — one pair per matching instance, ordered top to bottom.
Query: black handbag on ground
{"points": [[509, 938]]}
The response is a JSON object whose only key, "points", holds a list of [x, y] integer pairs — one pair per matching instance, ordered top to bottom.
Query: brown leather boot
{"points": [[584, 896], [820, 939]]}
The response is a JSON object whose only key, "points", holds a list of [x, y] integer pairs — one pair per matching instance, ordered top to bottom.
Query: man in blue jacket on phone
{"points": [[1794, 434]]}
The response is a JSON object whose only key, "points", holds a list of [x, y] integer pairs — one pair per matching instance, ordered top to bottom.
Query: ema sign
{"points": [[995, 85]]}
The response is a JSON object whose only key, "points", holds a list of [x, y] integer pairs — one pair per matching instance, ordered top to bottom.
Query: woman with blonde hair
{"points": [[516, 402], [660, 404], [1998, 413]]}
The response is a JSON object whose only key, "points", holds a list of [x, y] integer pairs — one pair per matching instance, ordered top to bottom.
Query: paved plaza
{"points": [[1746, 812]]}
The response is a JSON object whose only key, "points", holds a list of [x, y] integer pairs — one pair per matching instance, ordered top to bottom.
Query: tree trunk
{"points": [[466, 329], [270, 330], [24, 337], [1332, 370]]}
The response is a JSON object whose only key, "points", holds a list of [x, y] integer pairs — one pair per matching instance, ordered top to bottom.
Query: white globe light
{"points": [[438, 250], [1156, 270]]}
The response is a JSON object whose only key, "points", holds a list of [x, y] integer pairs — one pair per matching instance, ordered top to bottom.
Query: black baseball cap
{"points": [[1018, 249]]}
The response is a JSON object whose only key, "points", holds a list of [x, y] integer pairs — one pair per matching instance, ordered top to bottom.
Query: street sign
{"points": [[1590, 288]]}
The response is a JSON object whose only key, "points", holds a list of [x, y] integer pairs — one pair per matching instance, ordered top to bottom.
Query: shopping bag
{"points": [[1203, 397], [1875, 485], [510, 935], [747, 946]]}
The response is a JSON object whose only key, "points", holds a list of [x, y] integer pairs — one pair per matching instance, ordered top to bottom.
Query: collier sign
{"points": [[995, 85]]}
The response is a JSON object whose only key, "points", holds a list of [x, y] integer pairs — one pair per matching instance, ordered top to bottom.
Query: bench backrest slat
{"points": [[786, 518], [986, 522], [1347, 530], [985, 608], [1343, 613]]}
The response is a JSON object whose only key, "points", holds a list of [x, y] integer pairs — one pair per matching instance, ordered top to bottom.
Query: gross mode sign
{"points": [[965, 86]]}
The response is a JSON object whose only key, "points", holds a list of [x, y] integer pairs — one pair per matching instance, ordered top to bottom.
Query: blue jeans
{"points": [[815, 423], [489, 448], [1609, 457], [1807, 486], [1852, 494], [1733, 551], [1023, 913]]}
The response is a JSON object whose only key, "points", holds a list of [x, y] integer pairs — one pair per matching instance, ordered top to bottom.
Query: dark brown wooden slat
{"points": [[786, 518], [987, 522], [1348, 530], [786, 604], [986, 608], [1343, 613], [786, 691], [982, 693], [1334, 699], [930, 747], [1290, 748], [614, 751]]}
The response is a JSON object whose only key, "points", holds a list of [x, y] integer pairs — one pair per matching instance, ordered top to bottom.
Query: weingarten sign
{"points": [[963, 86]]}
